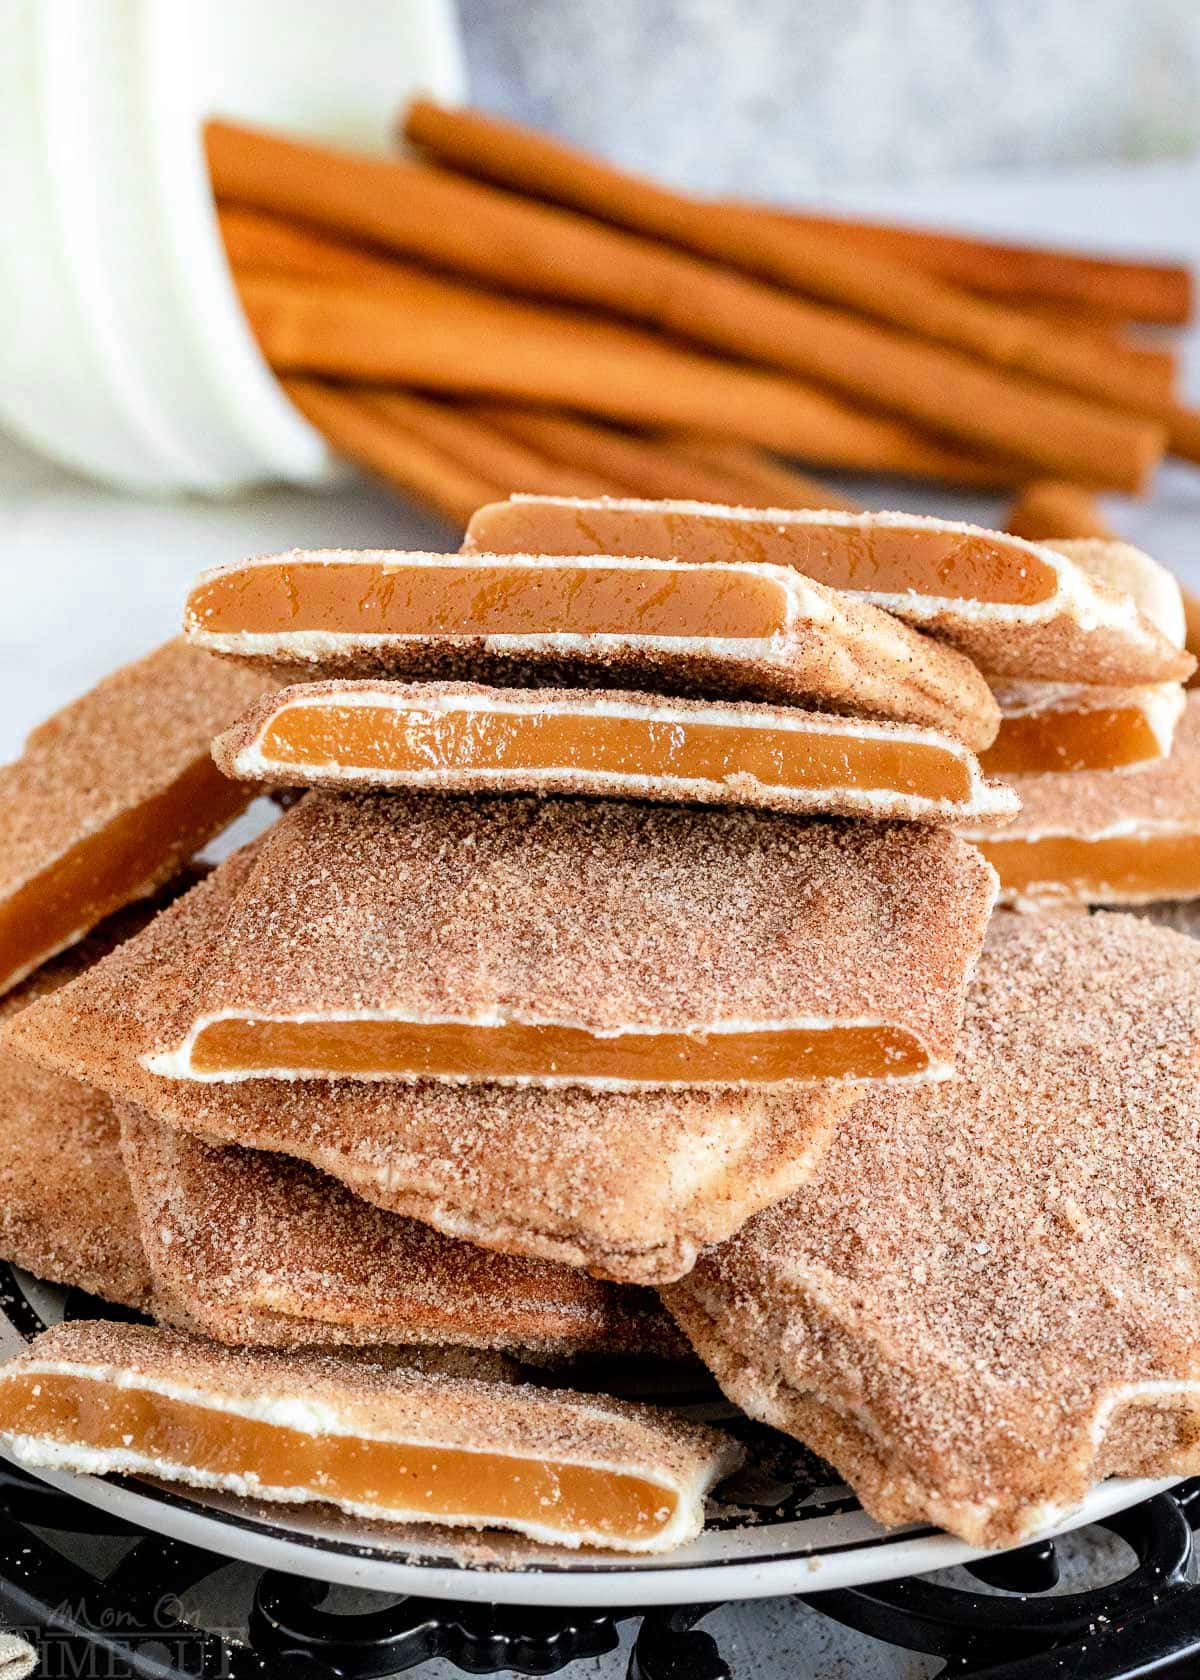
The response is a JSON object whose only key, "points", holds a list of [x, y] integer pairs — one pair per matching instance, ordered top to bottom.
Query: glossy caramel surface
{"points": [[876, 559], [378, 599], [1106, 738], [413, 740], [456, 1050], [437, 1482]]}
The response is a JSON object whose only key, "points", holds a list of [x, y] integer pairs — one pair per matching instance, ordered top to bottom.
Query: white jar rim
{"points": [[125, 353]]}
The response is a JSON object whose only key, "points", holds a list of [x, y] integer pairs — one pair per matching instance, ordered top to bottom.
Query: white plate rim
{"points": [[248, 1539]]}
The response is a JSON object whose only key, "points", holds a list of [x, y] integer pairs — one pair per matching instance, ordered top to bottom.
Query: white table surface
{"points": [[92, 578]]}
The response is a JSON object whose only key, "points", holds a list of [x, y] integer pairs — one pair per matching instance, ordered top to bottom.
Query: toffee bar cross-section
{"points": [[1018, 609], [739, 631], [1055, 728], [464, 738], [112, 796], [1099, 837], [585, 942], [629, 1185], [987, 1301], [388, 1442]]}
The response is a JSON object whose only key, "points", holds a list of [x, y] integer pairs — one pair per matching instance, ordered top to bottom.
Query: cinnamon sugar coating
{"points": [[1130, 571], [836, 653], [244, 751], [112, 753], [596, 914], [627, 1185], [66, 1214], [262, 1250], [990, 1297]]}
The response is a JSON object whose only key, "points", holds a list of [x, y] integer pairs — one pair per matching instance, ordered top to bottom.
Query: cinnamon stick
{"points": [[259, 243], [535, 248], [788, 254], [1126, 287], [451, 338], [359, 431], [1183, 432], [487, 449], [657, 466], [760, 479], [1048, 509]]}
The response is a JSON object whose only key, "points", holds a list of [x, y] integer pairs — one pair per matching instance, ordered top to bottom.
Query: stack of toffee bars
{"points": [[618, 991]]}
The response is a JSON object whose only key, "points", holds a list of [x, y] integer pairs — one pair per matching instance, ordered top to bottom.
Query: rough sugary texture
{"points": [[1083, 630], [835, 652], [245, 750], [111, 755], [1160, 801], [595, 914], [628, 1185], [65, 1209], [266, 1251], [990, 1298], [326, 1395]]}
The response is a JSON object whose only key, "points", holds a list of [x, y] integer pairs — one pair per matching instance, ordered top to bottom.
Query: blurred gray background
{"points": [[805, 92]]}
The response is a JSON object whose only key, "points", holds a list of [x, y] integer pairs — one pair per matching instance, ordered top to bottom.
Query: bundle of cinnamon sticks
{"points": [[498, 312]]}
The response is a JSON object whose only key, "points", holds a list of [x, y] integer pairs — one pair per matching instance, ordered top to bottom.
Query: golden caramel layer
{"points": [[878, 559], [375, 598], [1107, 738], [412, 739], [114, 865], [1118, 869], [456, 1050], [441, 1482]]}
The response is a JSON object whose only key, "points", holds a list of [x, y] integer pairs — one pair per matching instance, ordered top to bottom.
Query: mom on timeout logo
{"points": [[89, 1641]]}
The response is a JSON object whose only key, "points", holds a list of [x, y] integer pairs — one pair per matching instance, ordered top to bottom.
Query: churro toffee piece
{"points": [[1019, 609], [748, 632], [1061, 727], [464, 738], [111, 797], [1101, 838], [568, 942], [628, 1185], [66, 1214], [261, 1250], [988, 1300], [382, 1442]]}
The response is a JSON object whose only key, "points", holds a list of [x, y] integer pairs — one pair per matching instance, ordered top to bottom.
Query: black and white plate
{"points": [[782, 1525]]}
